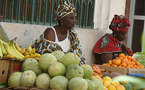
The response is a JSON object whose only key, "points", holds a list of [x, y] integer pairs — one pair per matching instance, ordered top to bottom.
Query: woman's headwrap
{"points": [[65, 9], [119, 23]]}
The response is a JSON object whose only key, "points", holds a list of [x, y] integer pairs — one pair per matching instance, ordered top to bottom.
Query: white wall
{"points": [[105, 10], [26, 34]]}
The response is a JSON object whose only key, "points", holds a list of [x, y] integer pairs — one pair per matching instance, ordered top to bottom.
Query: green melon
{"points": [[58, 54], [69, 58], [46, 60], [31, 64], [56, 69], [74, 70], [88, 71], [27, 78], [14, 79], [43, 80], [59, 83], [78, 83], [98, 84], [91, 85], [127, 85]]}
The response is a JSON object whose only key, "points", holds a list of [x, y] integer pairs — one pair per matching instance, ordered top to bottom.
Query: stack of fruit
{"points": [[10, 50], [29, 52], [124, 61], [56, 71], [110, 84]]}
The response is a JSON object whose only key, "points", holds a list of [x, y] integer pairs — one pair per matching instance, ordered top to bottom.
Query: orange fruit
{"points": [[121, 55], [129, 57], [117, 58], [121, 58], [133, 59], [113, 61], [110, 62], [117, 62], [137, 63], [106, 64], [124, 64], [113, 65], [120, 66], [128, 66]]}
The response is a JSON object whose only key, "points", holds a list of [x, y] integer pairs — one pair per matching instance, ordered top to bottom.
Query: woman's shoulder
{"points": [[48, 30], [49, 34]]}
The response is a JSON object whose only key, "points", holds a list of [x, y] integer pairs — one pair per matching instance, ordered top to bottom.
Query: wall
{"points": [[105, 10], [26, 34]]}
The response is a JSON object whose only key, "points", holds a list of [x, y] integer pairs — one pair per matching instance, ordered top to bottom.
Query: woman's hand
{"points": [[124, 49]]}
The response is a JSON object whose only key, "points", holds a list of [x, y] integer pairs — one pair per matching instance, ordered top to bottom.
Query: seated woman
{"points": [[62, 36], [110, 45]]}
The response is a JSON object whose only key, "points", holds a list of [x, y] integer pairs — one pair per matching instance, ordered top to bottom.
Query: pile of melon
{"points": [[56, 71]]}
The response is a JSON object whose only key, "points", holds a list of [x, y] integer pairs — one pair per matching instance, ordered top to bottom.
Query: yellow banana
{"points": [[2, 41], [17, 46], [29, 48], [3, 50], [8, 50], [16, 51], [23, 51], [32, 51], [1, 54], [37, 55], [9, 56], [27, 56], [37, 58]]}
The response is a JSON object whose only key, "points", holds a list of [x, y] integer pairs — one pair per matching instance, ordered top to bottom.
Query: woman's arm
{"points": [[49, 34], [125, 50], [106, 57]]}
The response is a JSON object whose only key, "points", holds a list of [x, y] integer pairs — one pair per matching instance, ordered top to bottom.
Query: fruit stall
{"points": [[24, 69]]}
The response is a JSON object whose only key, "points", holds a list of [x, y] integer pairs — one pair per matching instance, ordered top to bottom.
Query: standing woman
{"points": [[62, 36], [110, 45]]}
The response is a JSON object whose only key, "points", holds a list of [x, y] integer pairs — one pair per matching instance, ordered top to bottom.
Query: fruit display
{"points": [[10, 50], [29, 52], [124, 61], [31, 64], [56, 72], [131, 83], [110, 84]]}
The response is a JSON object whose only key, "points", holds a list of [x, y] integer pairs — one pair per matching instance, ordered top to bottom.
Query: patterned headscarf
{"points": [[65, 9], [119, 23]]}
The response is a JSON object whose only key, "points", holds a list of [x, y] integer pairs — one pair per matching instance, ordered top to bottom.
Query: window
{"points": [[43, 11], [137, 19]]}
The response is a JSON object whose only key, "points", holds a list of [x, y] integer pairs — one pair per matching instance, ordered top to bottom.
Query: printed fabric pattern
{"points": [[108, 44]]}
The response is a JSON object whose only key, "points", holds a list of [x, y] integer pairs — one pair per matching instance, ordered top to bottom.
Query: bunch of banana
{"points": [[10, 50], [29, 52]]}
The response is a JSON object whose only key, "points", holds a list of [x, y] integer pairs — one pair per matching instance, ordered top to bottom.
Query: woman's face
{"points": [[69, 21], [121, 36]]}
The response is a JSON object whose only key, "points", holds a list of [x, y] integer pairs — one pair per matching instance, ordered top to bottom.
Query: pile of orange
{"points": [[124, 61]]}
